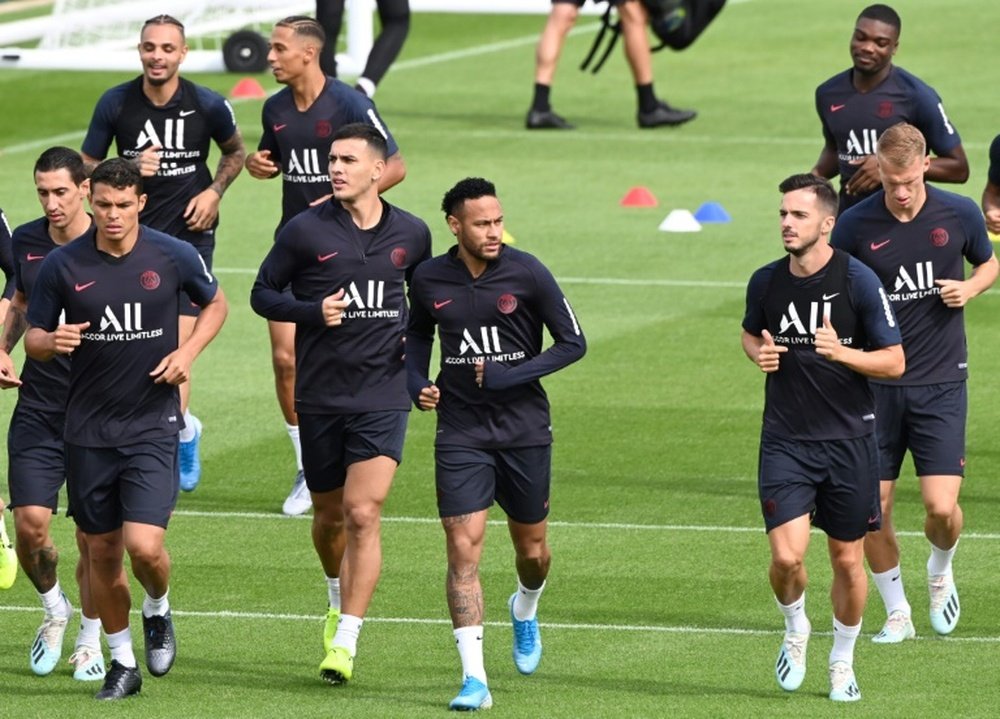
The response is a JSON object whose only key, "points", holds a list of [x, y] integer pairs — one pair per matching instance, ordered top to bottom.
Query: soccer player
{"points": [[394, 15], [857, 105], [652, 112], [167, 124], [298, 124], [991, 193], [917, 238], [347, 260], [110, 300], [490, 303], [819, 324], [36, 453]]}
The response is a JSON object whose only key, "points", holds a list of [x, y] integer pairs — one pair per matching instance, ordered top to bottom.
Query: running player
{"points": [[299, 122], [167, 124], [917, 239], [110, 299], [490, 303]]}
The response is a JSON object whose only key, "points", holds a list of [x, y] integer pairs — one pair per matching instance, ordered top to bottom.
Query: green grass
{"points": [[658, 603]]}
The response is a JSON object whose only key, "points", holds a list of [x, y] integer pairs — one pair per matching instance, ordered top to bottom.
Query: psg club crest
{"points": [[884, 109], [324, 128], [939, 237], [398, 257], [149, 280], [507, 303]]}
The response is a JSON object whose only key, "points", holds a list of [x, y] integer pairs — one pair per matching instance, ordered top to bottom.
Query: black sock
{"points": [[647, 98], [541, 99]]}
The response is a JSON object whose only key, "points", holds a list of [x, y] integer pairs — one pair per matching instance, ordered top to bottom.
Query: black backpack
{"points": [[677, 24]]}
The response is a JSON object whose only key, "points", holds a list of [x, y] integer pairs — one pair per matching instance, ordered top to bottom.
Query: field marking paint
{"points": [[558, 524], [644, 628]]}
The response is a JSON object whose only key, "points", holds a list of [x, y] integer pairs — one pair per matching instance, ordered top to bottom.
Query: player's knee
{"points": [[283, 362], [940, 510], [362, 517], [32, 533], [786, 563]]}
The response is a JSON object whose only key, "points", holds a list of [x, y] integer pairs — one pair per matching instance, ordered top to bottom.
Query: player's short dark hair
{"points": [[882, 13], [163, 20], [305, 26], [363, 131], [62, 158], [118, 173], [471, 188], [825, 193]]}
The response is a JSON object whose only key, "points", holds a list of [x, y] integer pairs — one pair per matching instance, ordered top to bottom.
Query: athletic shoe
{"points": [[664, 114], [546, 120], [190, 461], [298, 500], [8, 559], [945, 609], [330, 628], [898, 628], [527, 641], [161, 644], [47, 647], [89, 663], [338, 666], [790, 669], [120, 682], [843, 685], [474, 695]]}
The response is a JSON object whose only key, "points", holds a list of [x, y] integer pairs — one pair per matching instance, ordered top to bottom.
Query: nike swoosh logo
{"points": [[834, 108], [185, 113], [279, 128], [879, 245], [32, 258], [324, 258], [81, 288], [830, 297], [439, 305]]}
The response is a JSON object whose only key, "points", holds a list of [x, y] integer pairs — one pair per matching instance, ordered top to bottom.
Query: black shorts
{"points": [[204, 242], [929, 420], [333, 442], [36, 468], [469, 479], [836, 481], [111, 485]]}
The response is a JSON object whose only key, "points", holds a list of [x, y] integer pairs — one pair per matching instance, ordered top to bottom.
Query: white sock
{"points": [[367, 85], [188, 433], [293, 434], [940, 560], [890, 588], [333, 590], [526, 602], [55, 604], [156, 607], [795, 615], [348, 629], [90, 632], [844, 638], [120, 645], [470, 650]]}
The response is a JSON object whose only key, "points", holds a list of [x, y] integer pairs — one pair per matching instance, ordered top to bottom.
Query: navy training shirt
{"points": [[853, 121], [185, 128], [299, 141], [6, 257], [908, 257], [131, 303], [498, 318], [356, 366], [810, 397]]}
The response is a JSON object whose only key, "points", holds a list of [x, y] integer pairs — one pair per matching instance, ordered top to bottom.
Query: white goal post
{"points": [[102, 34]]}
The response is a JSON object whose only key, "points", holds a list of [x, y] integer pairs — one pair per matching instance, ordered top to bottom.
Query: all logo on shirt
{"points": [[914, 283], [366, 301], [122, 324], [481, 343]]}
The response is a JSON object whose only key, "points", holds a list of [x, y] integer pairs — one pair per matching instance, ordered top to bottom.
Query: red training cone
{"points": [[248, 87], [638, 197]]}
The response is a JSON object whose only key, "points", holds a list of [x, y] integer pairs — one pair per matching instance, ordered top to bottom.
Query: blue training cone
{"points": [[712, 212]]}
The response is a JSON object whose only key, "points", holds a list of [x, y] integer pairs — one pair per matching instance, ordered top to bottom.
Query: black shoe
{"points": [[663, 114], [546, 120], [161, 646], [120, 682]]}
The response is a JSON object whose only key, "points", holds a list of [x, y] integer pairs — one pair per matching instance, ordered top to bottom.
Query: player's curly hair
{"points": [[882, 13], [118, 173], [471, 188]]}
